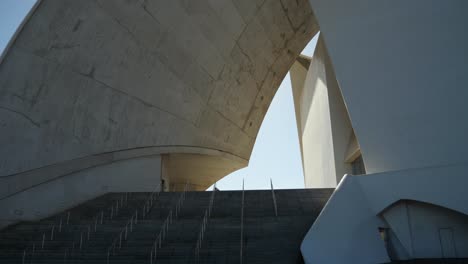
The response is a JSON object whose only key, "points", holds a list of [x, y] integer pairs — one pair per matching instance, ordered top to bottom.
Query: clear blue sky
{"points": [[12, 13], [276, 153]]}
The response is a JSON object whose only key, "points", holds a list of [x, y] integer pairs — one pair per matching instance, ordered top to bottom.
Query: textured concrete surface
{"points": [[99, 76], [87, 85], [54, 196]]}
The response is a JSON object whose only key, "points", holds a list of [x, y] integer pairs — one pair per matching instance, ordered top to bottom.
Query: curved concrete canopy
{"points": [[84, 78]]}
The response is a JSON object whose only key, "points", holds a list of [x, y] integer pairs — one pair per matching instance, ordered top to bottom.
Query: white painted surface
{"points": [[401, 66], [324, 128], [316, 138], [48, 198], [348, 226], [346, 229], [433, 231]]}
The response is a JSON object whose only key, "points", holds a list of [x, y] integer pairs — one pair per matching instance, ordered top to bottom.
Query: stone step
{"points": [[267, 238]]}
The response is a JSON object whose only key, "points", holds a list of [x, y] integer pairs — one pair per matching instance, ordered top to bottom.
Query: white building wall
{"points": [[401, 66], [324, 128], [319, 162], [48, 198], [348, 226], [433, 231]]}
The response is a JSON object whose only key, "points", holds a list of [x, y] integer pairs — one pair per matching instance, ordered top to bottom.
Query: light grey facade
{"points": [[92, 83], [181, 88]]}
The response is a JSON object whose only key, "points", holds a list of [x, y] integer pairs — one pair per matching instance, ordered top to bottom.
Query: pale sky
{"points": [[276, 154]]}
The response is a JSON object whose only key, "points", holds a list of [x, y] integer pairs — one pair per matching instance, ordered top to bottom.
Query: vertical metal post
{"points": [[274, 197], [68, 217], [242, 225], [52, 233], [43, 239], [81, 240], [155, 250], [32, 253], [24, 256]]}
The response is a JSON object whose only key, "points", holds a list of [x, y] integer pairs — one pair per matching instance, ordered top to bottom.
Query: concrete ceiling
{"points": [[96, 76]]}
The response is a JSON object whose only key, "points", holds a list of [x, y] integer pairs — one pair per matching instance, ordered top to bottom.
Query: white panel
{"points": [[401, 66], [134, 175], [397, 219]]}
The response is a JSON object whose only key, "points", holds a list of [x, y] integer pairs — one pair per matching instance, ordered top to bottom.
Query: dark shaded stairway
{"points": [[267, 238]]}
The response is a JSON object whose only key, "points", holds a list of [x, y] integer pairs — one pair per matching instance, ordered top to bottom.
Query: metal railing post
{"points": [[274, 197], [242, 225], [52, 233], [43, 240]]}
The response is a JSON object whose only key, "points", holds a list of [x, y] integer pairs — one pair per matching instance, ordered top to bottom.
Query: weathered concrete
{"points": [[89, 77], [91, 83], [50, 197]]}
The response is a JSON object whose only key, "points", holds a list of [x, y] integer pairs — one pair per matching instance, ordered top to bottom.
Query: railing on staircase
{"points": [[273, 197], [98, 219], [204, 224], [60, 227], [163, 231], [123, 234], [241, 256]]}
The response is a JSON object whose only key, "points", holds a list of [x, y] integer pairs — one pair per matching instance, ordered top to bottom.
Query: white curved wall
{"points": [[401, 66], [324, 128], [50, 197]]}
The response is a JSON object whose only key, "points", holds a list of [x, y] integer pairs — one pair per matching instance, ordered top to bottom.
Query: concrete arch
{"points": [[100, 76], [103, 86]]}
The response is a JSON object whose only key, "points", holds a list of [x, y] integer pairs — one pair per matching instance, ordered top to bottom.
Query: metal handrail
{"points": [[274, 197], [114, 209], [133, 220], [204, 224], [242, 225], [53, 231], [162, 235]]}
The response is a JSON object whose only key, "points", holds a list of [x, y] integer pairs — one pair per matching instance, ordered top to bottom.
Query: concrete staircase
{"points": [[267, 238]]}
